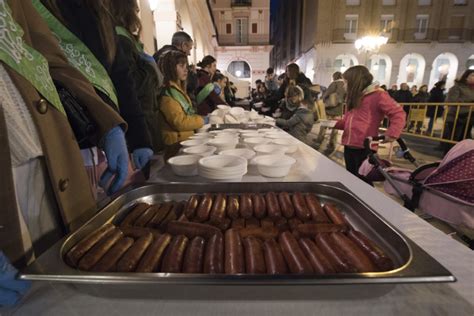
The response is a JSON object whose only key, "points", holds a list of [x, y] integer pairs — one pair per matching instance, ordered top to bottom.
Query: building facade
{"points": [[162, 18], [243, 35], [427, 39]]}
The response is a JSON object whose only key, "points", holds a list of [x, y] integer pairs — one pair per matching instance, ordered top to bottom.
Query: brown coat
{"points": [[62, 157]]}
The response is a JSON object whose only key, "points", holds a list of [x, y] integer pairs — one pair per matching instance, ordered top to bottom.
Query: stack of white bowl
{"points": [[194, 142], [251, 142], [290, 143], [270, 149], [201, 150], [239, 152], [185, 166], [274, 166], [222, 167]]}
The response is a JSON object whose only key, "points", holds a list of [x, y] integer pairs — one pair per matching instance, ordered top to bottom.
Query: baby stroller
{"points": [[444, 190]]}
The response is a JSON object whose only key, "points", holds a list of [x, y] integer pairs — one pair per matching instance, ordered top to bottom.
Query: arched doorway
{"points": [[344, 62], [470, 62], [380, 66], [445, 67], [240, 69], [412, 69]]}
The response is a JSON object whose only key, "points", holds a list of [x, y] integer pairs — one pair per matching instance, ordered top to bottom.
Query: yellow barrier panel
{"points": [[445, 122]]}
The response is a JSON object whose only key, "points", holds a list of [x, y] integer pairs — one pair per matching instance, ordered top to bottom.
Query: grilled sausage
{"points": [[191, 206], [246, 206], [259, 206], [286, 206], [314, 206], [233, 207], [273, 208], [204, 209], [301, 209], [218, 210], [135, 213], [160, 215], [172, 215], [335, 215], [146, 216], [238, 223], [252, 223], [266, 223], [294, 223], [282, 224], [225, 225], [191, 230], [311, 230], [137, 232], [269, 233], [372, 250], [78, 251], [95, 253], [234, 253], [214, 255], [355, 255], [294, 256], [193, 258], [130, 259], [173, 259], [254, 259], [337, 259], [150, 261], [274, 261], [108, 262], [320, 264]]}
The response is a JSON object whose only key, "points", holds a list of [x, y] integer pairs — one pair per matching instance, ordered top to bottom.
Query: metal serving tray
{"points": [[413, 265]]}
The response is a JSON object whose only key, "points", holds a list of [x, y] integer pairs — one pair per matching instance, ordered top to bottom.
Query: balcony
{"points": [[241, 3]]}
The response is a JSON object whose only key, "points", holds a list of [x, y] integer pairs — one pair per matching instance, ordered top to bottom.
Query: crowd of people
{"points": [[76, 82]]}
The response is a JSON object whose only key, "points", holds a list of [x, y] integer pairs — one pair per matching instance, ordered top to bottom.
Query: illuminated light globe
{"points": [[153, 4], [370, 43], [238, 73]]}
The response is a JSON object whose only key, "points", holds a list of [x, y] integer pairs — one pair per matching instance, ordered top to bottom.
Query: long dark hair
{"points": [[101, 10], [125, 14], [206, 61], [167, 65], [358, 78], [463, 79]]}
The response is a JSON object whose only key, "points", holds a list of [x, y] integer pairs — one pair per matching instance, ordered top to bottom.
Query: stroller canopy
{"points": [[455, 174]]}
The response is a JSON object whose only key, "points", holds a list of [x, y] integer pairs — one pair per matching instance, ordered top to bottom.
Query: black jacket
{"points": [[82, 22], [403, 96]]}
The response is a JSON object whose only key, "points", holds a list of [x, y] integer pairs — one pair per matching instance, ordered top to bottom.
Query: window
{"points": [[352, 2], [389, 2], [424, 2], [460, 2], [386, 23], [422, 23], [351, 24], [456, 26], [228, 28], [254, 28], [241, 31]]}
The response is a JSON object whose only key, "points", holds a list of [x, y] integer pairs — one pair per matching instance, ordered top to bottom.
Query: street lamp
{"points": [[370, 44]]}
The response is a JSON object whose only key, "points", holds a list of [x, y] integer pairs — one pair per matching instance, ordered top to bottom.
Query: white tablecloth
{"points": [[405, 299]]}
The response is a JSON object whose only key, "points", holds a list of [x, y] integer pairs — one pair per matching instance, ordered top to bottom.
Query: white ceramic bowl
{"points": [[252, 134], [277, 135], [200, 136], [255, 141], [194, 142], [290, 143], [270, 149], [201, 150], [239, 152], [185, 166], [274, 166], [222, 167]]}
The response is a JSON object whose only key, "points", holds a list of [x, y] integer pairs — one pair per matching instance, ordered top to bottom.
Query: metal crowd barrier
{"points": [[444, 122]]}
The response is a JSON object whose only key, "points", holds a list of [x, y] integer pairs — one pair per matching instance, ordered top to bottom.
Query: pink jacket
{"points": [[365, 120]]}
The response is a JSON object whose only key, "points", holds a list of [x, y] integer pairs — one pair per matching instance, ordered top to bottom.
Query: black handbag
{"points": [[82, 126]]}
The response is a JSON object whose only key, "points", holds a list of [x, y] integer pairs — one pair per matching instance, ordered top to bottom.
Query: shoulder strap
{"points": [[120, 30], [204, 93]]}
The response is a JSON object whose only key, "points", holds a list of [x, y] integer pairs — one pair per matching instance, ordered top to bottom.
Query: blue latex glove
{"points": [[206, 119], [115, 149], [141, 156], [11, 289]]}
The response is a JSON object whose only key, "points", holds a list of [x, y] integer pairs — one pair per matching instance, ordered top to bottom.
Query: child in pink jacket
{"points": [[367, 106]]}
